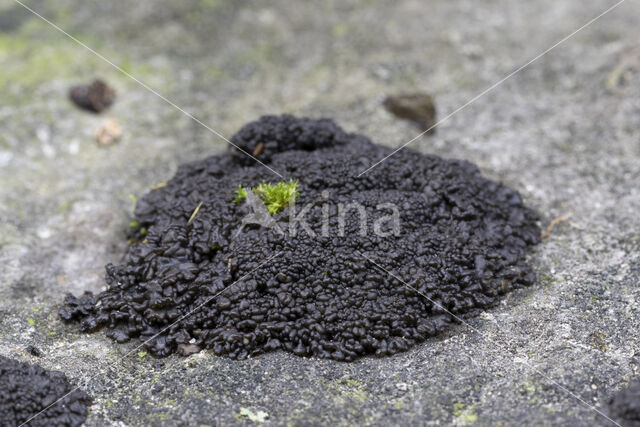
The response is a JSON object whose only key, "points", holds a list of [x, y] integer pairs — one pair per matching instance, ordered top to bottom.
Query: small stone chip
{"points": [[94, 97], [418, 108], [108, 133]]}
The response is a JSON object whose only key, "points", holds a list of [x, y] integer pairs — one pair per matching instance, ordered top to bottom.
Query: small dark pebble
{"points": [[94, 97], [418, 108], [463, 243], [34, 351], [27, 389], [624, 406]]}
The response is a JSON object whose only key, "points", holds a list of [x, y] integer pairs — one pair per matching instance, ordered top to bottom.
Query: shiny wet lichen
{"points": [[324, 291]]}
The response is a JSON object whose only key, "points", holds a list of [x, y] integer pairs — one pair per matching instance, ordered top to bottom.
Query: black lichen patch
{"points": [[461, 242], [77, 308], [27, 389], [624, 407]]}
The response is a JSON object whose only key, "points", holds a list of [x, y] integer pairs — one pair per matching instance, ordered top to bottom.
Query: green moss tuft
{"points": [[240, 193], [279, 196], [276, 197]]}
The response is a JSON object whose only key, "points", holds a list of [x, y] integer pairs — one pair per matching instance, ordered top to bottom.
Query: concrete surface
{"points": [[565, 132]]}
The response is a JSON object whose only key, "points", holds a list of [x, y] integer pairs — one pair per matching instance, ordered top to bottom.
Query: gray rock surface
{"points": [[565, 132]]}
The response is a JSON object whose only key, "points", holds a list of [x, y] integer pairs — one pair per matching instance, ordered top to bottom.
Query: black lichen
{"points": [[461, 243], [77, 308], [26, 389], [624, 406]]}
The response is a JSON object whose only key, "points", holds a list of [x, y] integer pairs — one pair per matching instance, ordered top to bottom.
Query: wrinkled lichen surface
{"points": [[460, 241], [26, 390]]}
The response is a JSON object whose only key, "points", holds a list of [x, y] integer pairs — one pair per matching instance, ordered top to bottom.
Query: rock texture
{"points": [[563, 132]]}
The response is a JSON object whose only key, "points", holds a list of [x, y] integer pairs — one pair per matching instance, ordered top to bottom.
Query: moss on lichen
{"points": [[241, 194], [276, 197]]}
